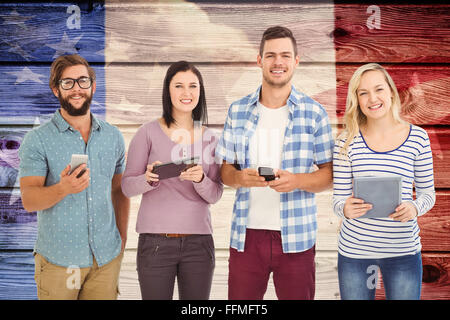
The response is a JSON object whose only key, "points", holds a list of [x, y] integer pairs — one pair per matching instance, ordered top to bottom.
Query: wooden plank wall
{"points": [[131, 45]]}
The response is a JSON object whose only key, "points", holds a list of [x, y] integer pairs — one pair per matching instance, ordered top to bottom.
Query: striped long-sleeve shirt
{"points": [[383, 237]]}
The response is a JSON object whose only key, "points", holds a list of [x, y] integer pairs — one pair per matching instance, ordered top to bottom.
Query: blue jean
{"points": [[402, 277]]}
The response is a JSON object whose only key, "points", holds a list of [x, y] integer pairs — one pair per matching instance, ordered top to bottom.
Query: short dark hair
{"points": [[277, 32], [62, 62], [199, 113]]}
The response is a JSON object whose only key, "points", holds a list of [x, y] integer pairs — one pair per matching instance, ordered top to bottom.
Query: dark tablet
{"points": [[174, 169], [384, 193]]}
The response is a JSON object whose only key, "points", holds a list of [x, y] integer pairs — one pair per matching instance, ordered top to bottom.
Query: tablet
{"points": [[174, 169], [384, 193]]}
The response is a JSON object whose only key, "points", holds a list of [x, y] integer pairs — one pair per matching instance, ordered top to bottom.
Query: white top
{"points": [[265, 149], [383, 237]]}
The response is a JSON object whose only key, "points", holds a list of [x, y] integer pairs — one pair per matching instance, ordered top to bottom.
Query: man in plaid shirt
{"points": [[274, 222]]}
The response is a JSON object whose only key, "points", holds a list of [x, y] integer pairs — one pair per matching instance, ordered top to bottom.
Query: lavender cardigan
{"points": [[172, 205]]}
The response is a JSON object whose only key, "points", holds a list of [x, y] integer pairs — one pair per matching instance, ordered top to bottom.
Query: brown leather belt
{"points": [[174, 235]]}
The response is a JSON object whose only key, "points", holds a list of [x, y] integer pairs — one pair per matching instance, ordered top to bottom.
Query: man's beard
{"points": [[71, 110]]}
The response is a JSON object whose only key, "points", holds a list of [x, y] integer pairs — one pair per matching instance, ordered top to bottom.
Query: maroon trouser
{"points": [[249, 271]]}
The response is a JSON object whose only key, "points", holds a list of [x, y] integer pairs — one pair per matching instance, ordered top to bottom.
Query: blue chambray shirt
{"points": [[308, 140], [80, 225]]}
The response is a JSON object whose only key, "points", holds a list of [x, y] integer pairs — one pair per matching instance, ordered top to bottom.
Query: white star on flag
{"points": [[14, 18], [66, 45], [15, 48], [26, 74], [127, 107], [124, 110]]}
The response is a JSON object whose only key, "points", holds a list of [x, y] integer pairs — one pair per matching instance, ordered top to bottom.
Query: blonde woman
{"points": [[375, 142]]}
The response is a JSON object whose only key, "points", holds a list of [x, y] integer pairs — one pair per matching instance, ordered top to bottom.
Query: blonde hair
{"points": [[353, 117]]}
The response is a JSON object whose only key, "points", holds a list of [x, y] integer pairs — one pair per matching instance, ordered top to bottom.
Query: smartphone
{"points": [[76, 161], [267, 173]]}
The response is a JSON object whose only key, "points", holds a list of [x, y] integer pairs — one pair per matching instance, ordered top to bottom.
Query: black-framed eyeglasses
{"points": [[68, 83]]}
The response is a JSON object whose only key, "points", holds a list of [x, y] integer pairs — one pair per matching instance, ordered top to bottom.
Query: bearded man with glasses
{"points": [[69, 84], [82, 212]]}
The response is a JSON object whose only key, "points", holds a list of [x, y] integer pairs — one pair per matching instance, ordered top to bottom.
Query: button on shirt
{"points": [[308, 140], [80, 225]]}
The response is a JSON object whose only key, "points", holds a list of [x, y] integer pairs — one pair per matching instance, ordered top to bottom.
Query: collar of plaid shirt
{"points": [[293, 100]]}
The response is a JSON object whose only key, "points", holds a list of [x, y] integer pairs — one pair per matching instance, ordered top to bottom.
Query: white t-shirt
{"points": [[266, 148]]}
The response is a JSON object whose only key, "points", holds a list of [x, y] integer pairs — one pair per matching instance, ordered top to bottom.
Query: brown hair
{"points": [[277, 32], [62, 62], [199, 113]]}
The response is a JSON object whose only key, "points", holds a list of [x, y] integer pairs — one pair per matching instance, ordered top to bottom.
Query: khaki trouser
{"points": [[72, 283]]}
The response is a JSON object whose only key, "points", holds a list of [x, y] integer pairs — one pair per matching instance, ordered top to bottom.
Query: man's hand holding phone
{"points": [[267, 173], [250, 178], [76, 181], [285, 182]]}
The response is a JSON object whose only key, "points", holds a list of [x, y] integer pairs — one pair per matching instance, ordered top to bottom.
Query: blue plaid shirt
{"points": [[308, 140]]}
